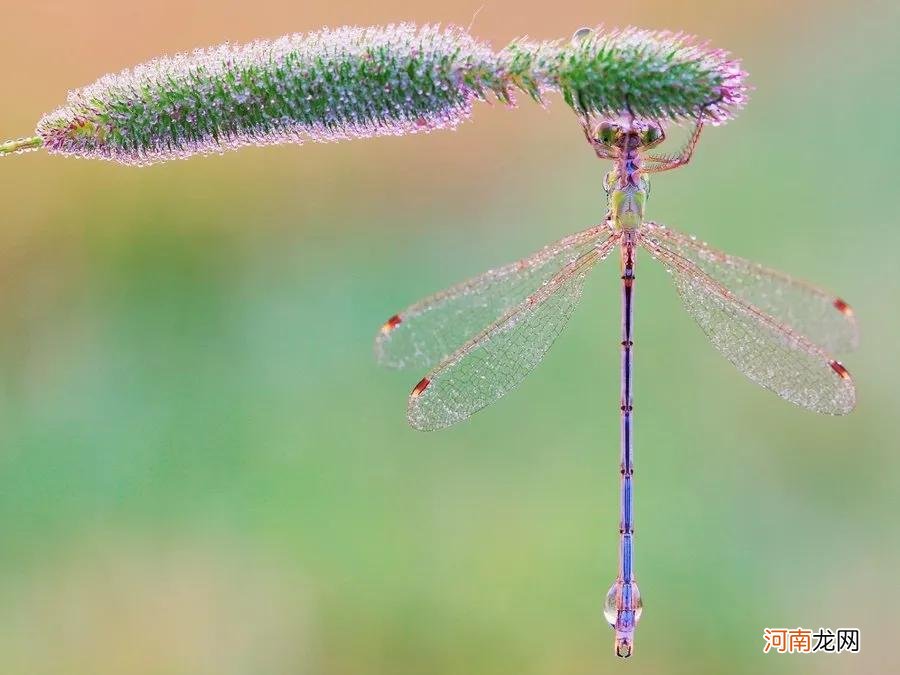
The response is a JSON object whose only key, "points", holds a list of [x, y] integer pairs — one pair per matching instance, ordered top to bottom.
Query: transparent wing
{"points": [[814, 313], [426, 332], [768, 352], [499, 357]]}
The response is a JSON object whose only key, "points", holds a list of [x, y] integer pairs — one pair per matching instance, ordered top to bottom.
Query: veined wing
{"points": [[820, 316], [426, 332], [768, 352], [499, 357]]}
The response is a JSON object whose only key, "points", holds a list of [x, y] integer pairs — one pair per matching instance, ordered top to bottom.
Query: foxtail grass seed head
{"points": [[652, 74], [362, 82], [325, 86]]}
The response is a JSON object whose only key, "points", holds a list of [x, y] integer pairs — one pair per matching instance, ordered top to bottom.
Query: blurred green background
{"points": [[203, 471]]}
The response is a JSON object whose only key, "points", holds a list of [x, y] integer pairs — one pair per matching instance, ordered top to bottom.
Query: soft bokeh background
{"points": [[202, 470]]}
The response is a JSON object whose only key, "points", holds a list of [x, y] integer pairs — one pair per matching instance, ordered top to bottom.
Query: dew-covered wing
{"points": [[818, 315], [428, 331], [768, 352], [498, 358]]}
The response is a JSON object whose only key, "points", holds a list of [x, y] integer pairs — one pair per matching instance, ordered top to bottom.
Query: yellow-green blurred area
{"points": [[203, 471]]}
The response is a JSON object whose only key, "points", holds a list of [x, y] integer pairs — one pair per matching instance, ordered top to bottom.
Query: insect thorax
{"points": [[627, 198]]}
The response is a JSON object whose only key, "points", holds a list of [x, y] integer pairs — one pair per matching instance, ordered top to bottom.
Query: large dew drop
{"points": [[610, 606]]}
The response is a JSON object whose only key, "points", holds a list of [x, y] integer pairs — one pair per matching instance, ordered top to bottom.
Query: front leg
{"points": [[656, 164]]}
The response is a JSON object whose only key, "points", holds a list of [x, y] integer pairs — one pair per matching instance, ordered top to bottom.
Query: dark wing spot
{"points": [[843, 307], [391, 324], [842, 372], [420, 387]]}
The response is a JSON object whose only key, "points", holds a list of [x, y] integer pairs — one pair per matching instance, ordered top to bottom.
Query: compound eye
{"points": [[608, 133], [650, 135]]}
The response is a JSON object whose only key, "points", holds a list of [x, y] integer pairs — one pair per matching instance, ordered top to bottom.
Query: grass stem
{"points": [[21, 145]]}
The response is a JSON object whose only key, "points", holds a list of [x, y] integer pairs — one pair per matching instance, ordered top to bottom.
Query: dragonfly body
{"points": [[627, 189], [486, 334]]}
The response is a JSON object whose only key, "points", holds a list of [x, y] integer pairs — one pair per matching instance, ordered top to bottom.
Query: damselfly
{"points": [[488, 333]]}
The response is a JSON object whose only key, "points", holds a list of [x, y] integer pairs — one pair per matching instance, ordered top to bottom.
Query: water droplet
{"points": [[581, 34], [611, 607]]}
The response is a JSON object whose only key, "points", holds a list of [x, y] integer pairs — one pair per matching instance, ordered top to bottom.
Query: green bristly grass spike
{"points": [[658, 75], [362, 82]]}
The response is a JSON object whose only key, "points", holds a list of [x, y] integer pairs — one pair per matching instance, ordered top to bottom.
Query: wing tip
{"points": [[844, 308], [382, 338], [847, 403], [416, 417]]}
